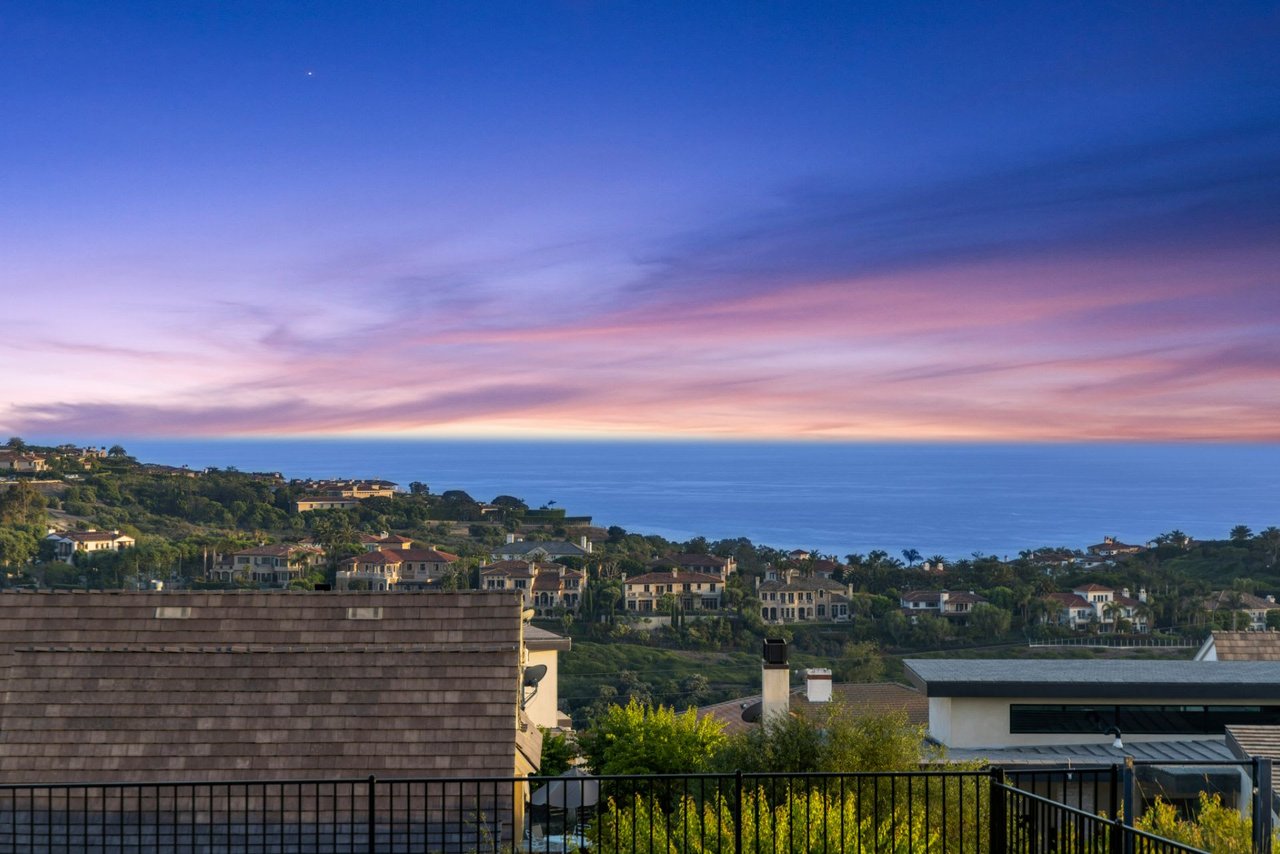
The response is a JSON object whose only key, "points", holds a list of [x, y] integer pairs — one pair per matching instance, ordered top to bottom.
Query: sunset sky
{"points": [[852, 220]]}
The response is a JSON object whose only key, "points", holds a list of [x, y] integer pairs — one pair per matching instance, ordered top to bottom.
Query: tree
{"points": [[15, 443], [116, 451], [417, 487], [22, 504], [1241, 534], [17, 546], [911, 556], [988, 621], [859, 662], [643, 739], [831, 739], [558, 754]]}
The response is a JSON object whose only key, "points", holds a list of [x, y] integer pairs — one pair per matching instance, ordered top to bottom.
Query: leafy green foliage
{"points": [[644, 739], [834, 740], [558, 754], [797, 818], [1216, 827]]}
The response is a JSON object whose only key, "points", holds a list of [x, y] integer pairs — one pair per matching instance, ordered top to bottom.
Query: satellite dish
{"points": [[533, 675], [751, 712]]}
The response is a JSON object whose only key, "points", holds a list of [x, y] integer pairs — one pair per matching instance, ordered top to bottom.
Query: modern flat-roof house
{"points": [[225, 685], [1011, 703]]}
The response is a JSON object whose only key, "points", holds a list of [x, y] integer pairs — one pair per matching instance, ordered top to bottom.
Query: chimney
{"points": [[511, 538], [584, 544], [1142, 594], [775, 679], [817, 685]]}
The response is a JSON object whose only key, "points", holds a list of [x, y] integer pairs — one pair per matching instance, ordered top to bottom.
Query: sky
{"points": [[844, 221]]}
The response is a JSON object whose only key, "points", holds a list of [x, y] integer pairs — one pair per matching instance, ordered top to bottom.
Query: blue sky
{"points": [[794, 220]]}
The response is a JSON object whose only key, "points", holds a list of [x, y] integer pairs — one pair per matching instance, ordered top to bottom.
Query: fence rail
{"points": [[925, 812]]}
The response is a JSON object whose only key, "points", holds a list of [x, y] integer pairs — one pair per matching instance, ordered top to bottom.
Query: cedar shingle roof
{"points": [[1247, 646], [227, 685]]}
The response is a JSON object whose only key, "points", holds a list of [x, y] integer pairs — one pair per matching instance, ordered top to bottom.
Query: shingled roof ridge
{"points": [[476, 646]]}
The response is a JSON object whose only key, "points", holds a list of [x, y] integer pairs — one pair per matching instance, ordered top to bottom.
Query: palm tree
{"points": [[1241, 533], [911, 556]]}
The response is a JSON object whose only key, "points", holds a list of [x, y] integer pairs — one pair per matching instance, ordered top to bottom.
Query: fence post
{"points": [[1130, 803], [1261, 805], [1113, 811], [737, 812], [371, 825], [998, 834]]}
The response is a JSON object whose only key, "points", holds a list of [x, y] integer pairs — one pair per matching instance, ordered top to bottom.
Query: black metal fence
{"points": [[924, 812], [1024, 823]]}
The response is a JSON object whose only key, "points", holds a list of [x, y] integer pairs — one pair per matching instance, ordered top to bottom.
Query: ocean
{"points": [[835, 498]]}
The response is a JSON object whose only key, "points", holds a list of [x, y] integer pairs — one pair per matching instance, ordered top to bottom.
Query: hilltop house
{"points": [[23, 461], [322, 502], [67, 543], [1110, 547], [517, 549], [707, 564], [272, 565], [545, 587], [692, 591], [793, 597], [953, 604], [1100, 606], [1253, 609]]}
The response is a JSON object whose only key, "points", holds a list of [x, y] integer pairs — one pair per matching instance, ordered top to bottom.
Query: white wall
{"points": [[542, 708], [984, 721]]}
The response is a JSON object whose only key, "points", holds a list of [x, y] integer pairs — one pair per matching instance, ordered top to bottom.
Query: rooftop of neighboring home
{"points": [[90, 536], [551, 548], [278, 550], [681, 560], [519, 568], [673, 576], [803, 582], [1233, 600], [1240, 646], [1088, 679], [220, 685], [853, 698]]}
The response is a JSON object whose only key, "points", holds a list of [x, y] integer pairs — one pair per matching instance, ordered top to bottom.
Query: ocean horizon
{"points": [[837, 498]]}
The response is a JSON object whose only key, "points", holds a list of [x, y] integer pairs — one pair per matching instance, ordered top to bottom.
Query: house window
{"points": [[1136, 718]]}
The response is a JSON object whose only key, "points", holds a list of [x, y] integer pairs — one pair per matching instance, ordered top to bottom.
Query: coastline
{"points": [[942, 498]]}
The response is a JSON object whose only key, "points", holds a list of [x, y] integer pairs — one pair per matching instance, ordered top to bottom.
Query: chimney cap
{"points": [[774, 651]]}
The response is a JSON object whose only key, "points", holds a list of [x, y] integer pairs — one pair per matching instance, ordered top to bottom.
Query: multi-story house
{"points": [[23, 461], [348, 488], [324, 502], [67, 543], [373, 543], [1110, 547], [707, 564], [274, 565], [423, 568], [378, 570], [545, 587], [693, 591], [791, 597], [953, 604], [1100, 606], [1255, 607]]}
